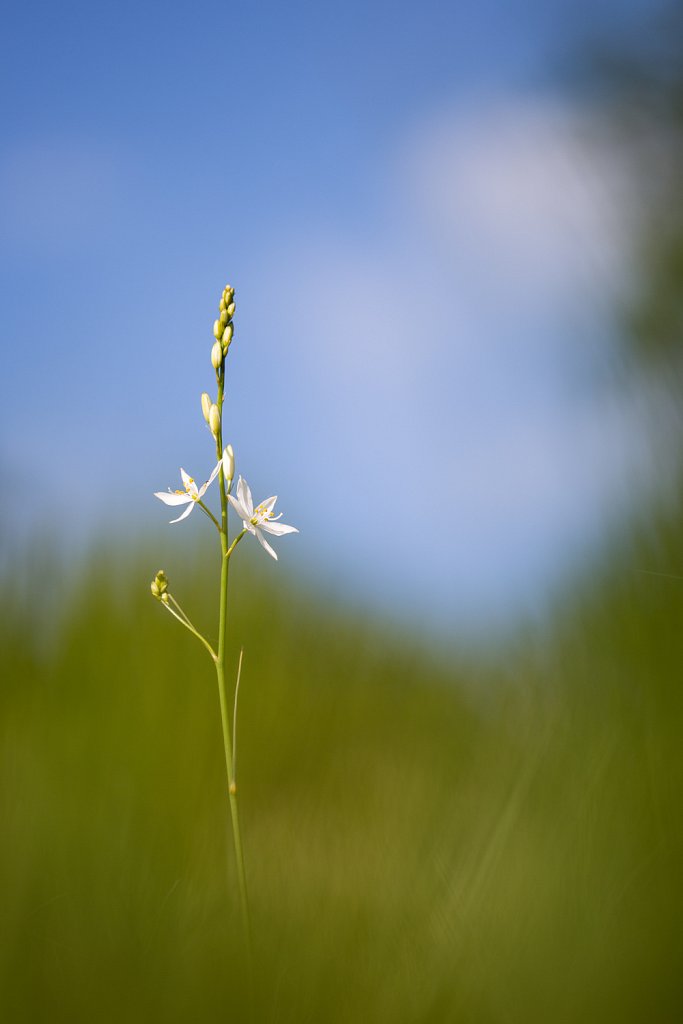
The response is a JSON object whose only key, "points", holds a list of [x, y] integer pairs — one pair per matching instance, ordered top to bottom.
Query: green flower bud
{"points": [[228, 293], [222, 304], [231, 310], [224, 317], [217, 329], [227, 335], [217, 355], [206, 405], [214, 419], [159, 586]]}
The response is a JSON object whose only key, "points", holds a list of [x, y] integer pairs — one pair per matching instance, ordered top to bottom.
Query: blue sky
{"points": [[422, 231]]}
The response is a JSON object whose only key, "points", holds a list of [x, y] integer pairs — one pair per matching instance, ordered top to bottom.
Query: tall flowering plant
{"points": [[255, 521]]}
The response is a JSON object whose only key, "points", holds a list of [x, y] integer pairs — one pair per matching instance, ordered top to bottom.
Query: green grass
{"points": [[423, 843]]}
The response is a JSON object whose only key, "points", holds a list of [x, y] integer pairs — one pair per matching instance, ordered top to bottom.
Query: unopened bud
{"points": [[228, 293], [222, 304], [231, 310], [224, 317], [217, 329], [227, 335], [216, 355], [206, 405], [214, 419], [228, 463], [159, 585]]}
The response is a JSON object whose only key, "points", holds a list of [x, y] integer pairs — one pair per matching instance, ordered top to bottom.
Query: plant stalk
{"points": [[223, 697]]}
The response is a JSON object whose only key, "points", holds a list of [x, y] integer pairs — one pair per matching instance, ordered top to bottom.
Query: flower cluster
{"points": [[223, 328], [255, 520], [159, 586]]}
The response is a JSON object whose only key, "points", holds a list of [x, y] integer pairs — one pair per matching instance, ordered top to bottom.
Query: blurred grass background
{"points": [[429, 837], [494, 842]]}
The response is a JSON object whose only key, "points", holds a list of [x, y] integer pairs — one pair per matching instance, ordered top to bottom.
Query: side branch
{"points": [[184, 621]]}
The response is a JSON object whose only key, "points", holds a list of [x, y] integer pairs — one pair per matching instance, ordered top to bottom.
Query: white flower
{"points": [[190, 496], [260, 518]]}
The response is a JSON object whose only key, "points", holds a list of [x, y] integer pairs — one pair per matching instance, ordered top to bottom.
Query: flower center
{"points": [[190, 489], [262, 515]]}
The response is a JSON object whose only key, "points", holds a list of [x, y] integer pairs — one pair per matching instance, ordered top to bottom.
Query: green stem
{"points": [[209, 513], [234, 544], [184, 621], [222, 691], [234, 717]]}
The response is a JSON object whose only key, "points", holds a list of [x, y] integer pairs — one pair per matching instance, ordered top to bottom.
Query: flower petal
{"points": [[214, 473], [188, 482], [244, 495], [172, 498], [269, 504], [190, 506], [239, 508], [277, 529], [264, 544]]}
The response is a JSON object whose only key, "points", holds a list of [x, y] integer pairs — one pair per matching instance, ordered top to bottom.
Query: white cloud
{"points": [[524, 189], [461, 355]]}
